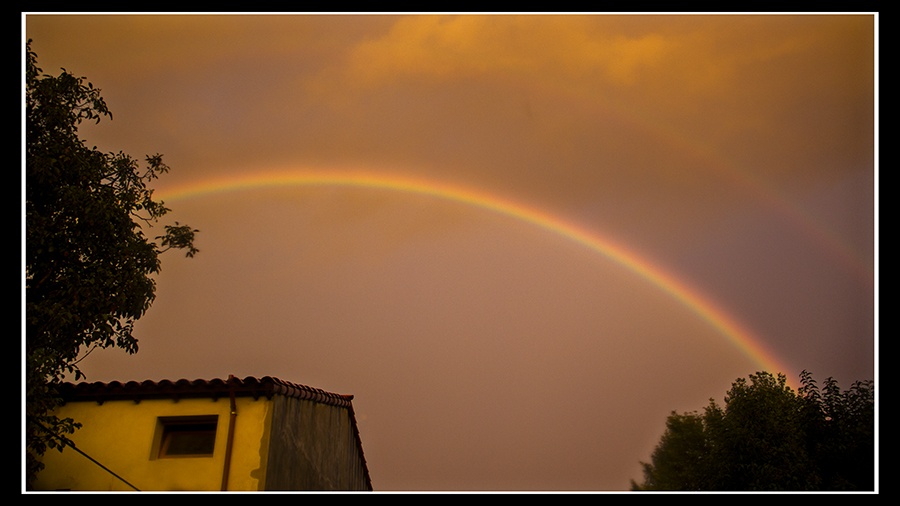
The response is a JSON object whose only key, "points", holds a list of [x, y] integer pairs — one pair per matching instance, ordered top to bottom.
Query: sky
{"points": [[520, 241]]}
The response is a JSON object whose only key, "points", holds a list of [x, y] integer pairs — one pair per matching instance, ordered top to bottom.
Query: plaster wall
{"points": [[120, 435]]}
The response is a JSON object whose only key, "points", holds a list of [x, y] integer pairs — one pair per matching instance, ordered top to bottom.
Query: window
{"points": [[186, 436]]}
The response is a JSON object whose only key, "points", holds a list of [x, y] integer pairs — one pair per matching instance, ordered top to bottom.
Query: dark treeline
{"points": [[768, 437]]}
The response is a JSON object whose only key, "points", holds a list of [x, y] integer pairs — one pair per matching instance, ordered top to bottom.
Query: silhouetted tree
{"points": [[88, 264], [840, 432], [767, 437], [679, 461]]}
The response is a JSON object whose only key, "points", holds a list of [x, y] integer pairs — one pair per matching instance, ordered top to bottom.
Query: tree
{"points": [[88, 263], [841, 432], [768, 437], [679, 461]]}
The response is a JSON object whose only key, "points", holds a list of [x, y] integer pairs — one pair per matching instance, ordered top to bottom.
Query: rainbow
{"points": [[730, 171], [741, 337]]}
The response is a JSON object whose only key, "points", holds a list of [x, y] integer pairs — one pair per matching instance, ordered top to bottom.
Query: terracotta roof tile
{"points": [[266, 386]]}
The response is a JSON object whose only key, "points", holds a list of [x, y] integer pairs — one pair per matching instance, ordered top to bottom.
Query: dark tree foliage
{"points": [[88, 264], [768, 437], [681, 465]]}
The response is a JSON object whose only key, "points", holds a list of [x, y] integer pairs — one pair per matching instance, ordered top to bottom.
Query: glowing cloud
{"points": [[749, 344]]}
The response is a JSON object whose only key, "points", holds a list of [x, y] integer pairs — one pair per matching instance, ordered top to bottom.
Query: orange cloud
{"points": [[556, 48]]}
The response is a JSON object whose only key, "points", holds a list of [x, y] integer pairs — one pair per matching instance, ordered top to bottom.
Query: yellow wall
{"points": [[119, 434]]}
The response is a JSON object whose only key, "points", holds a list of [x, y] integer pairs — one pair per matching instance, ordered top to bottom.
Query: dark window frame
{"points": [[186, 436]]}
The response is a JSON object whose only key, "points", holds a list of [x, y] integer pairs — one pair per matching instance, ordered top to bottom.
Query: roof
{"points": [[250, 386]]}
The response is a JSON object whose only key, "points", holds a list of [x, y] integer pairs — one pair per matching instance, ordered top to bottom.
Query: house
{"points": [[207, 435]]}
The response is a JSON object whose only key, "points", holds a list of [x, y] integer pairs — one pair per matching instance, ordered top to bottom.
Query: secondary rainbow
{"points": [[729, 170], [749, 344]]}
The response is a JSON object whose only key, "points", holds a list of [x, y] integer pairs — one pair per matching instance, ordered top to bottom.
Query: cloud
{"points": [[555, 48]]}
